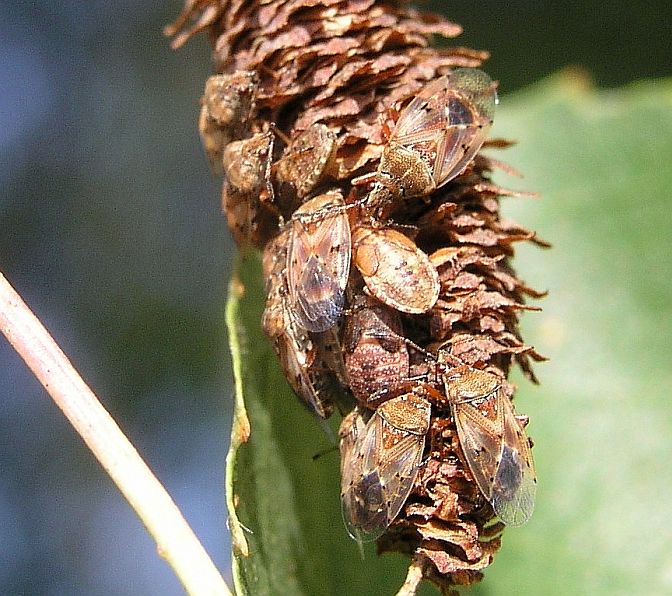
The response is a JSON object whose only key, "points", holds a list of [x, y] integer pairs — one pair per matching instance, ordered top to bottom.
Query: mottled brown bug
{"points": [[226, 106], [435, 136], [306, 161], [247, 187], [318, 261], [395, 270], [376, 353], [298, 354], [304, 368], [493, 441], [380, 460]]}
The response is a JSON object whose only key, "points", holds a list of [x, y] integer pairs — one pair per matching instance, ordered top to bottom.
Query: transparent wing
{"points": [[470, 106], [425, 112], [448, 121], [456, 148], [318, 262], [318, 295], [316, 387], [481, 444], [498, 454], [379, 465], [515, 485]]}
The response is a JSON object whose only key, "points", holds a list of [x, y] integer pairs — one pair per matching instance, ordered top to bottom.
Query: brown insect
{"points": [[228, 101], [435, 137], [307, 160], [247, 187], [318, 261], [274, 263], [395, 270], [298, 354], [376, 354], [304, 369], [493, 441], [380, 460]]}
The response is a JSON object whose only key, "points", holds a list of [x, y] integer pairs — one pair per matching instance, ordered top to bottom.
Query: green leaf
{"points": [[600, 419], [288, 503]]}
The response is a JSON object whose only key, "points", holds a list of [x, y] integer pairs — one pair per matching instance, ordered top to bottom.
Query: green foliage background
{"points": [[600, 418]]}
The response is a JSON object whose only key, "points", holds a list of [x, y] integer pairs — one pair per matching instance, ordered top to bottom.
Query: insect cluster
{"points": [[356, 169], [347, 287]]}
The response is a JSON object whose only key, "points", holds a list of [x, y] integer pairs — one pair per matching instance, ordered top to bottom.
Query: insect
{"points": [[228, 101], [435, 137], [307, 160], [247, 167], [318, 261], [395, 270], [297, 352], [376, 355], [307, 376], [493, 441], [380, 460]]}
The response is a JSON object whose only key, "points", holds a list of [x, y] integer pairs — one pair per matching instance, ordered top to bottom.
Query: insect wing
{"points": [[469, 110], [424, 116], [448, 121], [318, 261], [273, 264], [395, 270], [295, 348], [297, 352], [331, 353], [494, 444], [379, 464], [515, 485]]}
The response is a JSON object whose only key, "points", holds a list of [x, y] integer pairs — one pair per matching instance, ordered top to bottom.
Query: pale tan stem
{"points": [[175, 540], [413, 578]]}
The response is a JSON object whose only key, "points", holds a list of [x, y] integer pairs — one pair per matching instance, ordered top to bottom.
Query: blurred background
{"points": [[111, 231]]}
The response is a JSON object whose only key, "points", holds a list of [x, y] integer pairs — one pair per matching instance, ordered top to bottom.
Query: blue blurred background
{"points": [[110, 229]]}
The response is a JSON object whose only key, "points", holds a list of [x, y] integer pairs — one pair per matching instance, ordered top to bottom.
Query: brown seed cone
{"points": [[343, 63], [348, 64]]}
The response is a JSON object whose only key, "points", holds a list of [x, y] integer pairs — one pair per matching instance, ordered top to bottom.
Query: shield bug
{"points": [[226, 106], [436, 136], [307, 160], [247, 167], [318, 261], [274, 262], [395, 270], [330, 349], [297, 352], [376, 354], [307, 376], [493, 441], [380, 461]]}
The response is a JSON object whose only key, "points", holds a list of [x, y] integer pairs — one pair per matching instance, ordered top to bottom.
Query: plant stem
{"points": [[174, 538], [413, 578]]}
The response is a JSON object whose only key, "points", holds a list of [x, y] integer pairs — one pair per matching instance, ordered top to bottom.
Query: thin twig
{"points": [[175, 540], [413, 577]]}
